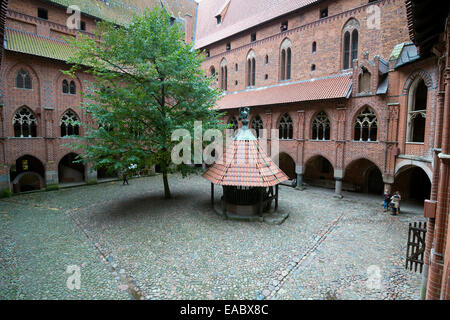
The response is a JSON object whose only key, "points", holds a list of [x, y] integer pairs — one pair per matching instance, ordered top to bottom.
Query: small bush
{"points": [[52, 187], [5, 193]]}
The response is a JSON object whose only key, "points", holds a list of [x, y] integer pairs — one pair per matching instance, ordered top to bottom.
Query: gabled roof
{"points": [[240, 15], [31, 43], [404, 53], [330, 87], [245, 163]]}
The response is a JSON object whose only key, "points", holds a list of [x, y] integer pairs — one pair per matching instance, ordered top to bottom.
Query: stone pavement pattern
{"points": [[180, 249]]}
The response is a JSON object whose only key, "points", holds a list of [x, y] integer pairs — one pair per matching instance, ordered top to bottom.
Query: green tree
{"points": [[148, 82]]}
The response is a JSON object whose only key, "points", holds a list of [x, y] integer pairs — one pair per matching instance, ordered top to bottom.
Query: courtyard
{"points": [[130, 243]]}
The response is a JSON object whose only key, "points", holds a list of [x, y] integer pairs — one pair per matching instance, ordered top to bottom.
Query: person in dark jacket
{"points": [[387, 199]]}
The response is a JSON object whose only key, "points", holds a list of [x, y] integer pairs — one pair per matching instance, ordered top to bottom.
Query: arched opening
{"points": [[350, 42], [364, 81], [417, 111], [257, 126], [285, 127], [287, 165], [69, 170], [319, 172], [27, 174], [363, 175], [413, 183]]}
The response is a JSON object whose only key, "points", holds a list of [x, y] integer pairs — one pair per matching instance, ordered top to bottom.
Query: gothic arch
{"points": [[412, 77], [313, 119], [408, 163]]}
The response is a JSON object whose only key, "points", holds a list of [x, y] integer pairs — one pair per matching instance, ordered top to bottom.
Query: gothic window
{"points": [[350, 43], [285, 60], [251, 66], [212, 71], [223, 75], [23, 79], [364, 81], [65, 86], [72, 87], [417, 111], [24, 123], [69, 124], [257, 125], [366, 126], [321, 127], [285, 128]]}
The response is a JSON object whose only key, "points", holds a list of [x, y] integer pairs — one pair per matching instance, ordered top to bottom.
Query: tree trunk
{"points": [[167, 194]]}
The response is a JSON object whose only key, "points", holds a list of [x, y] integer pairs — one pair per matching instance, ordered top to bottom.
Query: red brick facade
{"points": [[45, 99], [353, 161]]}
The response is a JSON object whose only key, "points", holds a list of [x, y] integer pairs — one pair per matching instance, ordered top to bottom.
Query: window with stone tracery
{"points": [[350, 43], [285, 60], [251, 66], [223, 75], [23, 80], [417, 111], [24, 123], [69, 124], [257, 125], [366, 126], [321, 127], [285, 128]]}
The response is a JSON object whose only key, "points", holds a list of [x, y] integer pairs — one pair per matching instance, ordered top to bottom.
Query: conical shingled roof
{"points": [[245, 163]]}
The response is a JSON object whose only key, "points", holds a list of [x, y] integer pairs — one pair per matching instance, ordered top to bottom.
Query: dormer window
{"points": [[43, 13], [324, 13], [219, 19], [284, 26]]}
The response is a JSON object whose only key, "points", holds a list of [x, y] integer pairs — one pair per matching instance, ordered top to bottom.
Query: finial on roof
{"points": [[243, 115], [244, 133]]}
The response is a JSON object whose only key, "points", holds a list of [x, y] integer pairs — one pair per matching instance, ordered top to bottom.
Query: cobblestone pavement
{"points": [[131, 243]]}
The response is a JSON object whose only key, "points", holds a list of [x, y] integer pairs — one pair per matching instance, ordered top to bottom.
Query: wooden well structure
{"points": [[248, 176]]}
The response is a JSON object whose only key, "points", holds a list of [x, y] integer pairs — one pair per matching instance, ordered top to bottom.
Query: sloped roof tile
{"points": [[240, 15], [30, 43], [331, 87], [245, 163]]}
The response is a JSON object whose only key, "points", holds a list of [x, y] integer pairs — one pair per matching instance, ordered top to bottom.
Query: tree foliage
{"points": [[148, 83]]}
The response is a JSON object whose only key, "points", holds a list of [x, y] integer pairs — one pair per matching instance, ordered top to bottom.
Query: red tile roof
{"points": [[240, 15], [331, 87], [245, 164]]}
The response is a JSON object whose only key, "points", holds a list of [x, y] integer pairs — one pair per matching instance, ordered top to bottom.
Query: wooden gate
{"points": [[416, 246]]}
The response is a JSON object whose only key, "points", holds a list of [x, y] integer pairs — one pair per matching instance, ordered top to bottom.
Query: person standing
{"points": [[125, 177], [387, 199], [395, 199]]}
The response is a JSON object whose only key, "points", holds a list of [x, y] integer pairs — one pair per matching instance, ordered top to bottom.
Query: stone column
{"points": [[299, 172], [51, 176], [338, 177], [388, 180], [5, 188]]}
